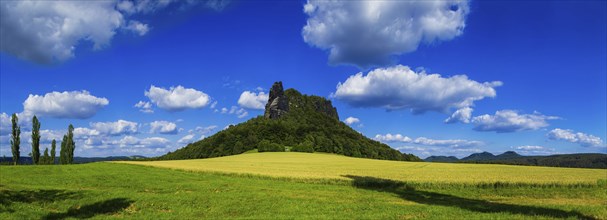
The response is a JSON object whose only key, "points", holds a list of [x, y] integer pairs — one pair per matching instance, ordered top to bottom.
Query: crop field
{"points": [[330, 166], [298, 185]]}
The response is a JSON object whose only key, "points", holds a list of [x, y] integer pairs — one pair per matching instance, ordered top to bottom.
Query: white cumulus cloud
{"points": [[50, 31], [367, 33], [399, 87], [177, 98], [252, 100], [73, 104], [145, 107], [461, 115], [351, 120], [510, 121], [5, 124], [120, 127], [163, 127], [392, 138], [585, 140], [134, 142], [452, 143], [534, 150]]}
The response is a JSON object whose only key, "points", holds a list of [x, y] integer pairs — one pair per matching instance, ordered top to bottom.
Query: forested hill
{"points": [[292, 122], [588, 160]]}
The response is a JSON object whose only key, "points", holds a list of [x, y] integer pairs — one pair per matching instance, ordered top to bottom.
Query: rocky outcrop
{"points": [[278, 102]]}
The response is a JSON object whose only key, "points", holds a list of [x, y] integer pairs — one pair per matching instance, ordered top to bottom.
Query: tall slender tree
{"points": [[15, 139], [35, 140], [71, 144], [53, 145], [62, 152], [66, 155], [46, 159]]}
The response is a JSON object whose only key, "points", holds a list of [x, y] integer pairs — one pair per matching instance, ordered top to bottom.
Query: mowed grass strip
{"points": [[329, 166], [112, 190]]}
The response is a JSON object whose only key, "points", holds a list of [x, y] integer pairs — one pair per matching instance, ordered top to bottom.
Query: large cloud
{"points": [[49, 31], [366, 33], [399, 87], [177, 98], [252, 100], [74, 104], [510, 121], [120, 127], [163, 127], [583, 139]]}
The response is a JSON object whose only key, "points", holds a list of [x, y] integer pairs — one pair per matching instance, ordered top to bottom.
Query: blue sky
{"points": [[438, 78]]}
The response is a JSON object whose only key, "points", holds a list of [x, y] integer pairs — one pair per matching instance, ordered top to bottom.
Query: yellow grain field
{"points": [[329, 166]]}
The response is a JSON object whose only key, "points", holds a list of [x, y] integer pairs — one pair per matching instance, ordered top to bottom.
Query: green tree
{"points": [[15, 139], [35, 140], [53, 145], [71, 145], [62, 152], [46, 159]]}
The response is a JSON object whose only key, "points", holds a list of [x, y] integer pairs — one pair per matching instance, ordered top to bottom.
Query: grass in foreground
{"points": [[323, 166], [112, 190]]}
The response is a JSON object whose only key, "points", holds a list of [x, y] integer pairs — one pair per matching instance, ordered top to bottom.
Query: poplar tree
{"points": [[15, 140], [35, 140], [53, 143], [71, 144], [62, 152], [66, 155], [46, 159]]}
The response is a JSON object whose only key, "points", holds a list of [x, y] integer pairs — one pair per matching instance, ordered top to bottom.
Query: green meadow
{"points": [[300, 185]]}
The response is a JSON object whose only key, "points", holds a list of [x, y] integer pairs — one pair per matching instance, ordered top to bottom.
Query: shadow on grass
{"points": [[408, 192], [8, 197], [99, 208]]}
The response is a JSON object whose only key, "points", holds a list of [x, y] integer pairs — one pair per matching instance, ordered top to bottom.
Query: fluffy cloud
{"points": [[138, 28], [50, 31], [367, 33], [399, 87], [177, 98], [252, 100], [74, 104], [145, 107], [235, 110], [461, 115], [351, 120], [511, 121], [5, 124], [120, 127], [163, 127], [202, 131], [84, 133], [392, 138], [583, 139], [151, 142], [452, 143], [534, 150], [430, 151]]}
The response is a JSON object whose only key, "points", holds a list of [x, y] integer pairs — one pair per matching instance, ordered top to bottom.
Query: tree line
{"points": [[66, 154]]}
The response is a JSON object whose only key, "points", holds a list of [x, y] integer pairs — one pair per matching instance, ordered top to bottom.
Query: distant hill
{"points": [[292, 121], [441, 159], [28, 160], [589, 160]]}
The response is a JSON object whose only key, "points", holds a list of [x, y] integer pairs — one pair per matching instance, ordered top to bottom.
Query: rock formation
{"points": [[278, 103]]}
